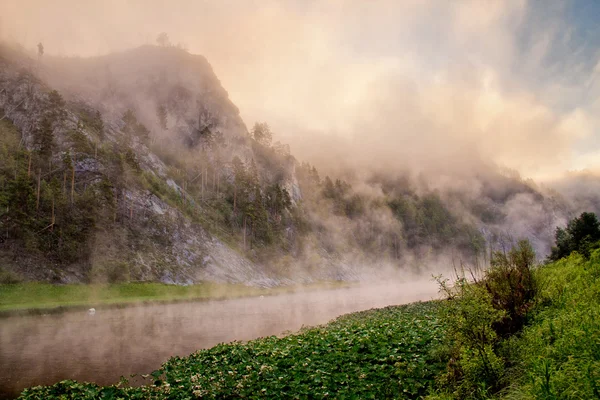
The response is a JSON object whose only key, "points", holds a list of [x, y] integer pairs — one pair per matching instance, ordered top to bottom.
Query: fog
{"points": [[413, 83], [463, 100], [137, 340]]}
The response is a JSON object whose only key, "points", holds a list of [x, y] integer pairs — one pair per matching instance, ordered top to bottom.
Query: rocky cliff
{"points": [[148, 227]]}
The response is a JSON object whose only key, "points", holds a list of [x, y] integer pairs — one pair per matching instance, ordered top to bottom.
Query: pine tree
{"points": [[163, 39], [161, 113], [130, 121], [262, 133], [43, 137], [239, 181], [278, 199]]}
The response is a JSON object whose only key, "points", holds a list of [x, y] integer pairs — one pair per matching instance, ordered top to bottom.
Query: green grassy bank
{"points": [[41, 297], [557, 356]]}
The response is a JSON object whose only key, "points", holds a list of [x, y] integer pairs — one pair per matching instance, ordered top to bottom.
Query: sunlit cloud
{"points": [[512, 82]]}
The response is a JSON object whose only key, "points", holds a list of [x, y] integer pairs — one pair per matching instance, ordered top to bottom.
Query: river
{"points": [[45, 349]]}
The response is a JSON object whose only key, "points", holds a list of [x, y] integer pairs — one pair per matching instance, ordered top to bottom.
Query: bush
{"points": [[512, 287], [479, 315], [470, 316]]}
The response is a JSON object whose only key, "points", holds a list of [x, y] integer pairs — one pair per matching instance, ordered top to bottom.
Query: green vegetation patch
{"points": [[42, 296], [525, 333], [386, 353], [558, 354]]}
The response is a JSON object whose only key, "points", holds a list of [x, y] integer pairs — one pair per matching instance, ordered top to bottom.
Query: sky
{"points": [[512, 82]]}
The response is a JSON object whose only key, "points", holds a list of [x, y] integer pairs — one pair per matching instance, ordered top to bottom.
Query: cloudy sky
{"points": [[516, 83]]}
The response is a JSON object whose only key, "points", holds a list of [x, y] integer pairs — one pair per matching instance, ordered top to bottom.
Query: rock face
{"points": [[144, 79], [149, 238]]}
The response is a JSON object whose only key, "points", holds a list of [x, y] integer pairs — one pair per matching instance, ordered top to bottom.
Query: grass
{"points": [[19, 297], [387, 353], [558, 354]]}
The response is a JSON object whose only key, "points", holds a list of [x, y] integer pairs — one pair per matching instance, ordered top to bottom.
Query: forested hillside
{"points": [[136, 166]]}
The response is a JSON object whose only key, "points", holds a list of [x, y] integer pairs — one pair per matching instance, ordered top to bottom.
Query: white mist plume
{"points": [[416, 81]]}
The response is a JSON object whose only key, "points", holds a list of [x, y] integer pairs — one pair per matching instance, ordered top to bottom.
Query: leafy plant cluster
{"points": [[481, 313], [388, 353]]}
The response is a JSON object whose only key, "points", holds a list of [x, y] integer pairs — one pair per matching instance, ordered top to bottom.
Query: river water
{"points": [[45, 349]]}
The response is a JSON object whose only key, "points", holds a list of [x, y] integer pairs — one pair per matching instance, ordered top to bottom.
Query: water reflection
{"points": [[41, 350]]}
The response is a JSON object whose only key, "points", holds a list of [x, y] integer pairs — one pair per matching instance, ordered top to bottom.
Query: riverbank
{"points": [[43, 298], [100, 348], [418, 351]]}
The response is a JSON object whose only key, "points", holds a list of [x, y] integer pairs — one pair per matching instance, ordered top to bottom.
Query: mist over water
{"points": [[442, 110], [41, 350]]}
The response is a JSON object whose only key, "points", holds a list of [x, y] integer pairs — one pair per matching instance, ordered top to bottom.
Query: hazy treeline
{"points": [[91, 177]]}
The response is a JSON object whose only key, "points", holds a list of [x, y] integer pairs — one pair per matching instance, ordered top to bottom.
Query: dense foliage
{"points": [[70, 196], [40, 205], [398, 223], [581, 234], [481, 313], [524, 332], [558, 354]]}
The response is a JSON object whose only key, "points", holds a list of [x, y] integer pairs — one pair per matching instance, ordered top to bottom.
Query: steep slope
{"points": [[146, 78], [137, 166], [95, 200]]}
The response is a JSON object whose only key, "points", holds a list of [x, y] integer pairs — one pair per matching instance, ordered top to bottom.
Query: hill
{"points": [[136, 166]]}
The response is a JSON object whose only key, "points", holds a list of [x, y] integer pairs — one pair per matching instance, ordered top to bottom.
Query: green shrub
{"points": [[512, 286], [479, 315], [470, 316]]}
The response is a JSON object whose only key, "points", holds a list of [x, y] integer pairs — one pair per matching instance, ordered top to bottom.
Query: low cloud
{"points": [[412, 83]]}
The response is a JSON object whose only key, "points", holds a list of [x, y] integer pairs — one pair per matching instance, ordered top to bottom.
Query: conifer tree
{"points": [[161, 113]]}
